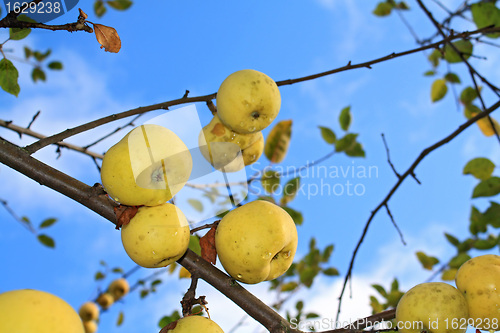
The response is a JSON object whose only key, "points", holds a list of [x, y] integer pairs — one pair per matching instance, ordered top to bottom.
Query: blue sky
{"points": [[168, 47]]}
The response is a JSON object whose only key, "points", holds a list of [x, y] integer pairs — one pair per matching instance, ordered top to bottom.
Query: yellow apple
{"points": [[248, 101], [227, 150], [147, 167], [156, 236], [256, 242], [479, 280], [119, 288], [105, 300], [434, 307], [30, 311], [89, 311], [195, 324], [90, 326]]}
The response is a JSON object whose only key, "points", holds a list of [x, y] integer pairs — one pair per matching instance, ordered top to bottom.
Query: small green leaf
{"points": [[119, 4], [402, 6], [99, 8], [383, 9], [485, 14], [18, 33], [463, 46], [27, 52], [41, 56], [434, 57], [55, 65], [430, 73], [38, 74], [8, 77], [452, 78], [438, 90], [468, 95], [345, 118], [328, 135], [278, 141], [346, 142], [356, 150], [481, 168], [270, 181], [487, 188], [290, 190], [196, 204], [492, 215], [296, 216], [26, 221], [47, 223], [476, 224], [452, 239], [46, 240], [194, 244], [486, 244], [327, 252], [458, 260], [427, 262], [117, 270], [331, 271], [449, 274], [307, 275], [99, 276], [156, 282], [395, 285], [290, 286], [380, 290], [143, 293], [299, 305], [120, 319], [169, 319]]}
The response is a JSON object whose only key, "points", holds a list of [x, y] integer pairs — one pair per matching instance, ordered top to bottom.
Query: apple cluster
{"points": [[437, 307], [89, 311]]}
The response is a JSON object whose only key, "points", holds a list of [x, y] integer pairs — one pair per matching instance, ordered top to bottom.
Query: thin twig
{"points": [[389, 157], [395, 224]]}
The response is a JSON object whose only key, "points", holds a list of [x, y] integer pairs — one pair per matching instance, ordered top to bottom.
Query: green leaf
{"points": [[119, 4], [402, 6], [99, 8], [383, 9], [485, 14], [19, 33], [463, 46], [27, 52], [41, 56], [434, 57], [55, 65], [430, 73], [38, 74], [8, 77], [452, 78], [438, 90], [468, 95], [471, 110], [345, 118], [328, 135], [278, 141], [345, 143], [356, 150], [481, 168], [270, 181], [487, 188], [290, 190], [196, 204], [492, 215], [296, 216], [26, 221], [47, 223], [476, 224], [452, 239], [46, 240], [194, 244], [486, 244], [327, 252], [458, 260], [427, 262], [117, 270], [331, 271], [449, 274], [307, 275], [99, 276], [156, 282], [395, 285], [290, 286], [380, 290], [143, 293], [375, 304], [299, 305], [120, 319], [169, 319]]}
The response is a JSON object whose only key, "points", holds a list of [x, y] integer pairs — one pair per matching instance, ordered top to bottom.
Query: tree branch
{"points": [[207, 98], [409, 172]]}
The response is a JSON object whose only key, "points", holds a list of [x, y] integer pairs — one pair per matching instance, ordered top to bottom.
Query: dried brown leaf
{"points": [[83, 14], [108, 38], [124, 214], [207, 244]]}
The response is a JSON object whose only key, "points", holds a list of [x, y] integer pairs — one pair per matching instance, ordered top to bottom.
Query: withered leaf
{"points": [[83, 14], [108, 38], [124, 214], [207, 244], [169, 327]]}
